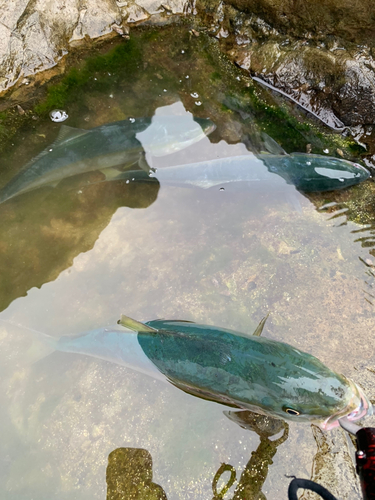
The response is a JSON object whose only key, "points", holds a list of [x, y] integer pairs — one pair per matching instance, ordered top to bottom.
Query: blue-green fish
{"points": [[122, 143], [307, 173], [315, 173], [234, 369]]}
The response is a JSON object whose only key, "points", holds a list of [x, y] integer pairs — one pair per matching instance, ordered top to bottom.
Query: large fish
{"points": [[122, 143], [307, 172], [312, 172], [238, 370]]}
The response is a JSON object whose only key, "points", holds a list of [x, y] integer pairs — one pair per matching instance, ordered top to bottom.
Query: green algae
{"points": [[99, 72], [290, 128]]}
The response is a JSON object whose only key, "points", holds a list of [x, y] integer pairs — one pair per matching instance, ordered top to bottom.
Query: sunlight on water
{"points": [[76, 256]]}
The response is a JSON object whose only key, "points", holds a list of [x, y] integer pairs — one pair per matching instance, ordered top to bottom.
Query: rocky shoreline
{"points": [[35, 35], [318, 56]]}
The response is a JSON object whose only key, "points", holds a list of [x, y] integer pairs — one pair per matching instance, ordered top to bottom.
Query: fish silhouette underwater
{"points": [[122, 143], [118, 150], [307, 172], [310, 172], [316, 173], [248, 372]]}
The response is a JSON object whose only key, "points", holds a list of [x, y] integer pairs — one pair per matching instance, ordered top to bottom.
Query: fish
{"points": [[125, 143], [306, 172], [316, 173], [235, 369]]}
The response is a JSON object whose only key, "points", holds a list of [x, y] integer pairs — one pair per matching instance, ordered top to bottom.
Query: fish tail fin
{"points": [[272, 146], [293, 200], [134, 325], [259, 328], [40, 344], [40, 348]]}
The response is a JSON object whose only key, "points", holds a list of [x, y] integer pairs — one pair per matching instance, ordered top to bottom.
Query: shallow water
{"points": [[76, 256]]}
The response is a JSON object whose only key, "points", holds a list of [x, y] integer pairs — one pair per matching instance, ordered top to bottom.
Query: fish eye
{"points": [[291, 411]]}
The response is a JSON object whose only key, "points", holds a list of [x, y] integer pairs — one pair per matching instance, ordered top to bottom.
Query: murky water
{"points": [[76, 256]]}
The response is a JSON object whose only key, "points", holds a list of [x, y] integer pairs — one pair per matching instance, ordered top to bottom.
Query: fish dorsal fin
{"points": [[67, 133], [272, 146], [34, 159], [110, 173], [134, 325], [259, 328]]}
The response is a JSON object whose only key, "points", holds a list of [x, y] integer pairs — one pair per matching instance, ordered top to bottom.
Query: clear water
{"points": [[73, 258]]}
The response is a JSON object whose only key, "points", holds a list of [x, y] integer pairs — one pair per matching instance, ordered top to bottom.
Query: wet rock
{"points": [[95, 19], [350, 21], [34, 36], [29, 44], [310, 52], [322, 66], [355, 101], [333, 460]]}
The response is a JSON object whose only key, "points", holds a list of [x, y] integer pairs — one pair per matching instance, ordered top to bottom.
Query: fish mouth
{"points": [[208, 129], [361, 167], [358, 407]]}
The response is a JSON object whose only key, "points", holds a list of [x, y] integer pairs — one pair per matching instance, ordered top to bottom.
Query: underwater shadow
{"points": [[256, 470], [129, 472], [129, 476]]}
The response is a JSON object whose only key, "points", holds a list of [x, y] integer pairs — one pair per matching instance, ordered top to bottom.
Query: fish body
{"points": [[122, 143], [210, 173], [307, 173], [227, 367]]}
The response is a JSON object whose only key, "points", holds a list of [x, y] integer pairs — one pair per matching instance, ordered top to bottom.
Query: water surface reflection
{"points": [[78, 255]]}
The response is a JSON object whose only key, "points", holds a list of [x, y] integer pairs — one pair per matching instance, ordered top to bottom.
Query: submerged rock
{"points": [[332, 460]]}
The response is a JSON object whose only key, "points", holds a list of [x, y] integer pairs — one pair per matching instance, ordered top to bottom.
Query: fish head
{"points": [[314, 173], [302, 389], [335, 398], [358, 407]]}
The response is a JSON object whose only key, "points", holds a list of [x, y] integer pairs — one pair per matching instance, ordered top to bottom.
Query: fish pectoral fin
{"points": [[66, 133], [143, 164], [110, 173], [53, 183], [292, 199], [134, 325], [259, 328]]}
